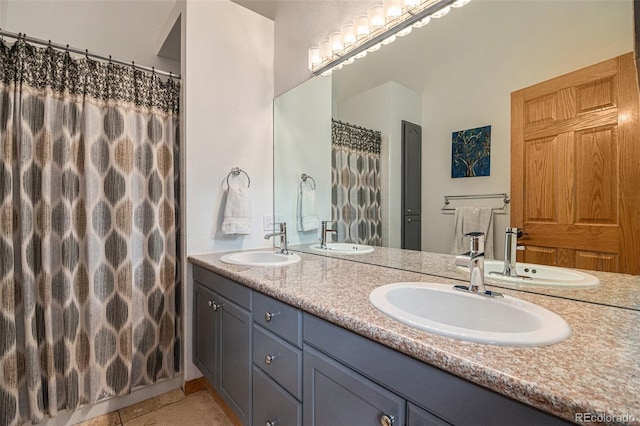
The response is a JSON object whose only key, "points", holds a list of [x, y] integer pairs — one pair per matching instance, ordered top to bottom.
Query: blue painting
{"points": [[471, 152]]}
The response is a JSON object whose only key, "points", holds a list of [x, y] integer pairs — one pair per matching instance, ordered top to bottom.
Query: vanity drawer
{"points": [[225, 287], [278, 317], [279, 359], [271, 403]]}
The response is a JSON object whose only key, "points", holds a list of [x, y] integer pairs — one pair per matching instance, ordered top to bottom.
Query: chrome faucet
{"points": [[323, 233], [511, 236], [511, 246], [284, 249], [474, 260]]}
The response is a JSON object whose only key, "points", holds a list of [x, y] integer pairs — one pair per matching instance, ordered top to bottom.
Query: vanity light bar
{"points": [[384, 34]]}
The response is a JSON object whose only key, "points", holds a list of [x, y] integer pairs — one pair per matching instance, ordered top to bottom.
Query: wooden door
{"points": [[575, 168]]}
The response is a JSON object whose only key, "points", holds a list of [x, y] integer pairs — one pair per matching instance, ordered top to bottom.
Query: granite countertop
{"points": [[619, 290], [596, 370]]}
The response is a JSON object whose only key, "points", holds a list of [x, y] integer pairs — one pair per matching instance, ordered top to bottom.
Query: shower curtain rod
{"points": [[85, 53]]}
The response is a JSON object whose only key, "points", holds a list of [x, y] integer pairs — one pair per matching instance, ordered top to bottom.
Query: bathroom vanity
{"points": [[301, 344]]}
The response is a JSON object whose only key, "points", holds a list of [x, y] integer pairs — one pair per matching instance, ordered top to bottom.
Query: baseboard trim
{"points": [[195, 385]]}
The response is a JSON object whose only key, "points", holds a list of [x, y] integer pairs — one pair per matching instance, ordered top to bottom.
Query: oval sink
{"points": [[343, 248], [260, 258], [530, 273], [440, 309]]}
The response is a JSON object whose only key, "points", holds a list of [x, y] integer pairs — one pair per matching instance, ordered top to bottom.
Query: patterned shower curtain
{"points": [[355, 183], [88, 218]]}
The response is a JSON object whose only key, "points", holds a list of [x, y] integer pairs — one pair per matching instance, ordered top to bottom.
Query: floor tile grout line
{"points": [[163, 406]]}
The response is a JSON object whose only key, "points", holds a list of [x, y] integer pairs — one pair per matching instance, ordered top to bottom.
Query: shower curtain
{"points": [[355, 183], [89, 294]]}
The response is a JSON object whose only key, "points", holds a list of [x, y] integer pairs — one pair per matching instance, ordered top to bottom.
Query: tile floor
{"points": [[171, 408]]}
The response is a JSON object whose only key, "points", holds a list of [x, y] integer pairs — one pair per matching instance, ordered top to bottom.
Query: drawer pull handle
{"points": [[268, 316], [268, 359], [387, 420]]}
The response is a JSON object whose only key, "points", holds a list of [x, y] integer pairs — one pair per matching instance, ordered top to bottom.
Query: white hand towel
{"points": [[237, 211], [308, 218], [472, 219]]}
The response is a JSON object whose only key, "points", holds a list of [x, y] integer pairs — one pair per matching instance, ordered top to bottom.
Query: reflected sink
{"points": [[343, 248], [260, 258], [540, 275], [439, 309]]}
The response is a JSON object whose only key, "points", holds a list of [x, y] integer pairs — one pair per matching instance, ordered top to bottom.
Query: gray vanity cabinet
{"points": [[223, 338], [204, 342], [277, 362], [336, 395]]}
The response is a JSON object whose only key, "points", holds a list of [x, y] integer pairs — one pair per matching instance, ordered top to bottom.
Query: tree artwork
{"points": [[471, 152]]}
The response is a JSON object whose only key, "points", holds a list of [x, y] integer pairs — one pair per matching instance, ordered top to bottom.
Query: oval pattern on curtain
{"points": [[88, 223]]}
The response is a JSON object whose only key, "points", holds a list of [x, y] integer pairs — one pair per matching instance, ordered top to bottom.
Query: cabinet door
{"points": [[204, 331], [235, 359], [335, 395], [418, 417]]}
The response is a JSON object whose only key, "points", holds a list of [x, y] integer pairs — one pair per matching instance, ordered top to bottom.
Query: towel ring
{"points": [[236, 172], [304, 178]]}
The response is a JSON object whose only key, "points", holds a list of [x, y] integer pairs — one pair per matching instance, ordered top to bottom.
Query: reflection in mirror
{"points": [[456, 73]]}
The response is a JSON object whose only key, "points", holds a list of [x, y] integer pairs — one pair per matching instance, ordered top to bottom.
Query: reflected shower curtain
{"points": [[355, 183], [88, 218]]}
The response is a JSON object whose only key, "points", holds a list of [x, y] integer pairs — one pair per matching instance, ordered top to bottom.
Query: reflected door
{"points": [[575, 168], [411, 186]]}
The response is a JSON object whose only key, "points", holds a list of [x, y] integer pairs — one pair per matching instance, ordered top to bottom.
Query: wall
{"points": [[126, 30], [466, 65], [228, 92], [383, 108], [302, 131]]}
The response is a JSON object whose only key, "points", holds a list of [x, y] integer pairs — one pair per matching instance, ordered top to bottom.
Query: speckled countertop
{"points": [[621, 290], [596, 370]]}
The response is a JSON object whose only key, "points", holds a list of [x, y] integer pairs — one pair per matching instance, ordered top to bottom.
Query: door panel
{"points": [[575, 161]]}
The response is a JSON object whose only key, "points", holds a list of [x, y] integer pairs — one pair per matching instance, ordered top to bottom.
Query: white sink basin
{"points": [[343, 248], [260, 258], [540, 275], [440, 309]]}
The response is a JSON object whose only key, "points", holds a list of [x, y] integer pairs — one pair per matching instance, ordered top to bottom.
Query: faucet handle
{"points": [[477, 241]]}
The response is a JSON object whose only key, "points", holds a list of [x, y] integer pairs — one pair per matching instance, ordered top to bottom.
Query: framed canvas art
{"points": [[471, 152]]}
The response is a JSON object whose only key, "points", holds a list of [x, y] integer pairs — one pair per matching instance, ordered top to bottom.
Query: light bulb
{"points": [[392, 9], [441, 12], [375, 15], [361, 25], [348, 33], [335, 40], [325, 50], [314, 57]]}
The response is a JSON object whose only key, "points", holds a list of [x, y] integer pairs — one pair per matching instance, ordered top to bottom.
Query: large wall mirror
{"points": [[454, 74]]}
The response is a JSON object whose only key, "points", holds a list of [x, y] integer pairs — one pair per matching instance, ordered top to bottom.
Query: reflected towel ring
{"points": [[236, 172], [304, 178]]}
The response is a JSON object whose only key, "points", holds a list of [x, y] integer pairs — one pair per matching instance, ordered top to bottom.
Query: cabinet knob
{"points": [[408, 210], [409, 220], [210, 303], [214, 305], [268, 316], [268, 359], [387, 420], [271, 423]]}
